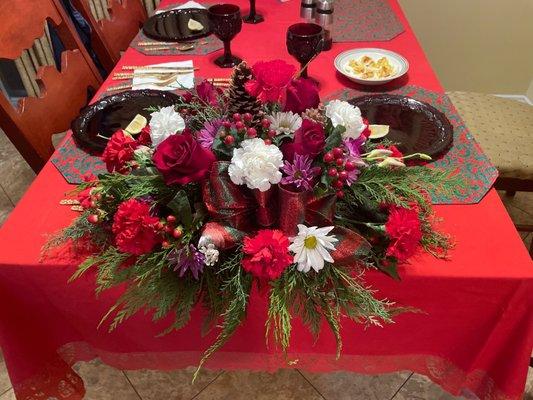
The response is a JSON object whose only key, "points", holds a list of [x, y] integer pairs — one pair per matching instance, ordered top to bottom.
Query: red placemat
{"points": [[364, 21], [465, 156]]}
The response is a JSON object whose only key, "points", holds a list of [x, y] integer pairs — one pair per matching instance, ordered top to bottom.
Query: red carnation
{"points": [[270, 80], [208, 93], [302, 94], [366, 132], [144, 138], [309, 140], [119, 151], [395, 152], [181, 159], [84, 197], [133, 227], [403, 228], [267, 254]]}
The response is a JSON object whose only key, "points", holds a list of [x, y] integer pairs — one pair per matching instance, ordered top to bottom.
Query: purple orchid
{"points": [[300, 173]]}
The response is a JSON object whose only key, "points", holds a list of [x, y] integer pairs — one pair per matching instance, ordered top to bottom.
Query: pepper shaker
{"points": [[307, 9], [324, 18]]}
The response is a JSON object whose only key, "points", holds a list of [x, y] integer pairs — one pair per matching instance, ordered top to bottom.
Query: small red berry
{"points": [[236, 117], [248, 117], [265, 123], [226, 124], [239, 125], [251, 132], [271, 133], [229, 140], [267, 141], [337, 152], [328, 157], [339, 161], [349, 166], [332, 172], [343, 176], [338, 184], [340, 194], [98, 196], [92, 204], [93, 219], [171, 219], [159, 226], [168, 229], [177, 233], [165, 244]]}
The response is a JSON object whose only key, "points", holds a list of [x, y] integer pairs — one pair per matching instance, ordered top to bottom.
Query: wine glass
{"points": [[253, 18], [225, 20], [304, 42]]}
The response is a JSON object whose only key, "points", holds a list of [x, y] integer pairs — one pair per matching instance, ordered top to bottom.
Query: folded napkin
{"points": [[189, 4], [182, 80]]}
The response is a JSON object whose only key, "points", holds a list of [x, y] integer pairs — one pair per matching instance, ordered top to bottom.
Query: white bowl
{"points": [[398, 63]]}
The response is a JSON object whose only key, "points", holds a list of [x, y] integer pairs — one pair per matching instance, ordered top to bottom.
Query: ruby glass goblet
{"points": [[253, 18], [225, 20], [304, 42]]}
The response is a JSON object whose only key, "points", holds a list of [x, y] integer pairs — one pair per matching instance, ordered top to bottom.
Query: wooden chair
{"points": [[114, 24], [62, 94], [504, 129]]}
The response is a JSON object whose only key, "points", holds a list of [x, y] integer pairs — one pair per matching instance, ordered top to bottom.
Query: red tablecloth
{"points": [[476, 333]]}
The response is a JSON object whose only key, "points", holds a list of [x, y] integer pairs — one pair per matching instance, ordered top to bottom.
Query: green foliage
{"points": [[333, 135], [182, 208], [235, 288], [330, 295]]}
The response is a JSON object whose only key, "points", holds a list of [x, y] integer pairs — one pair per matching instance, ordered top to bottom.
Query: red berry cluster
{"points": [[243, 128], [338, 169], [96, 214], [168, 229]]}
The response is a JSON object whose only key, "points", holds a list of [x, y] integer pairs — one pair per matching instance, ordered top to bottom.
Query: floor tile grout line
{"points": [[7, 196], [309, 382], [131, 384], [209, 384], [401, 386]]}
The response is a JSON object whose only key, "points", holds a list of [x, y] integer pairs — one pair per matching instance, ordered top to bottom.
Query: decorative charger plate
{"points": [[172, 26], [97, 122], [416, 126]]}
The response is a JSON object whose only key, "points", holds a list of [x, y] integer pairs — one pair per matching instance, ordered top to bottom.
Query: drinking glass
{"points": [[253, 18], [225, 20], [304, 42]]}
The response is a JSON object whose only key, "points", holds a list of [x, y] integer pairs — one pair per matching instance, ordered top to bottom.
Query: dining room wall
{"points": [[477, 45]]}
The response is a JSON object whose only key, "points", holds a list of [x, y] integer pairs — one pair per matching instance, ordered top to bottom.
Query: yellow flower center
{"points": [[310, 242]]}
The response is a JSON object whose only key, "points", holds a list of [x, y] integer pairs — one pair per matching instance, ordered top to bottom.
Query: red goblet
{"points": [[253, 18], [225, 20], [304, 42]]}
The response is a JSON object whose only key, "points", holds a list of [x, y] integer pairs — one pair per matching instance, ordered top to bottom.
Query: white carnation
{"points": [[344, 114], [164, 123], [256, 164], [210, 253]]}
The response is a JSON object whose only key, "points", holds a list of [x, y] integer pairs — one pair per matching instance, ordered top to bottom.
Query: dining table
{"points": [[472, 334]]}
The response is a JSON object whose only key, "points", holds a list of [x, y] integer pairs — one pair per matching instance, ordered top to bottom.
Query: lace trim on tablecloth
{"points": [[59, 381]]}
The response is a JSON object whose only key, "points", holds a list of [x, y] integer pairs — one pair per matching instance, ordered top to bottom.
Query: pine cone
{"points": [[239, 100], [316, 114]]}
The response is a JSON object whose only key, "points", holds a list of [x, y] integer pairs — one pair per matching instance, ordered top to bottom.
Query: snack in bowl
{"points": [[368, 68]]}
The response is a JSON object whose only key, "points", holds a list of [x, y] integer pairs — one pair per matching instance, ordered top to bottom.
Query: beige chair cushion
{"points": [[502, 127]]}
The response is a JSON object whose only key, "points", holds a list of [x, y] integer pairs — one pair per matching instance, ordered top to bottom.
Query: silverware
{"points": [[149, 67]]}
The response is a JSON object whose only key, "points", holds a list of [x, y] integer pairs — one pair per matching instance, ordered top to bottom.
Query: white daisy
{"points": [[285, 122], [311, 247]]}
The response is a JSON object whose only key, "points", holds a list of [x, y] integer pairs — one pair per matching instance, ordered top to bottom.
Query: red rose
{"points": [[270, 80], [208, 93], [302, 94], [309, 140], [119, 151], [182, 160], [133, 227], [403, 228], [267, 254]]}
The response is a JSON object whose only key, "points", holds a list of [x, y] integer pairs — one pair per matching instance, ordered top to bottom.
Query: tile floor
{"points": [[104, 382]]}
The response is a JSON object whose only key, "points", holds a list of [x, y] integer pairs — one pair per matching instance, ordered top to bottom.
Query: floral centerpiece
{"points": [[261, 185]]}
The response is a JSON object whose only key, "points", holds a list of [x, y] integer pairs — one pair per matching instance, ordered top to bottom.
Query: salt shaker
{"points": [[307, 9], [324, 18]]}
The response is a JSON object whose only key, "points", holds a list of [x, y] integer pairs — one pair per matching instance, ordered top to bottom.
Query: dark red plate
{"points": [[171, 26], [97, 122], [416, 126]]}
